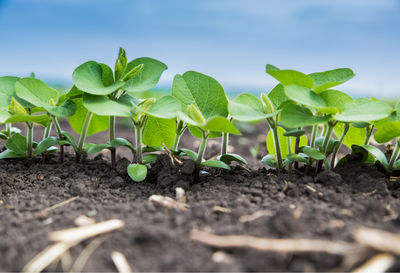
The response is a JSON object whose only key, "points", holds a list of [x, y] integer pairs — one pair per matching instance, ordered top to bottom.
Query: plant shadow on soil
{"points": [[328, 206]]}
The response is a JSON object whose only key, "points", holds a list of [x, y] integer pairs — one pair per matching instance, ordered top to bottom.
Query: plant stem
{"points": [[8, 129], [369, 129], [47, 130], [178, 133], [313, 135], [328, 135], [60, 136], [82, 137], [112, 137], [275, 137], [138, 138], [29, 140], [225, 141], [339, 144], [296, 151], [200, 155], [395, 155]]}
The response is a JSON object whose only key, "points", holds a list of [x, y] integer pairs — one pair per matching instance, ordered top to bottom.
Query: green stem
{"points": [[274, 128], [8, 129], [369, 129], [47, 130], [178, 133], [313, 135], [60, 136], [328, 136], [82, 137], [112, 137], [138, 138], [29, 140], [225, 141], [339, 144], [202, 149], [296, 151], [395, 155]]}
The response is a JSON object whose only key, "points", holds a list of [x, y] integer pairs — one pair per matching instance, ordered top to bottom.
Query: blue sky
{"points": [[231, 40]]}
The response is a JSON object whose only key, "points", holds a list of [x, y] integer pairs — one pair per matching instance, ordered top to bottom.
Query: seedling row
{"points": [[309, 121]]}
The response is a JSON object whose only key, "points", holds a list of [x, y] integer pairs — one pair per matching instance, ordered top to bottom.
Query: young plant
{"points": [[104, 90], [205, 111]]}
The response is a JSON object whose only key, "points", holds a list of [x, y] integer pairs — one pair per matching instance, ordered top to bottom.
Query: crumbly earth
{"points": [[329, 206]]}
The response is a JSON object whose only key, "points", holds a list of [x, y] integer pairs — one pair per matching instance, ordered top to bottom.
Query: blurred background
{"points": [[230, 40]]}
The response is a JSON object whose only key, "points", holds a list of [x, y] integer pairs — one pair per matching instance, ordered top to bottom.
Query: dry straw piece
{"points": [[168, 202], [377, 239], [120, 262], [377, 264]]}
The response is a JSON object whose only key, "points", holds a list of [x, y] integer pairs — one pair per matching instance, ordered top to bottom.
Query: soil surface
{"points": [[329, 206]]}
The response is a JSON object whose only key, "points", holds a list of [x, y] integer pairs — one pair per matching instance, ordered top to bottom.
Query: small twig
{"points": [[172, 156], [168, 202], [63, 203], [221, 209], [255, 215], [83, 220], [378, 239], [274, 245], [120, 262], [378, 264]]}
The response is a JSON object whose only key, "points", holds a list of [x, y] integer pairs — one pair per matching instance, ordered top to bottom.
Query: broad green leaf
{"points": [[106, 75], [147, 77], [290, 77], [88, 78], [330, 78], [7, 90], [202, 91], [36, 92], [278, 96], [305, 96], [335, 101], [104, 106], [165, 107], [247, 107], [66, 109], [364, 110], [4, 115], [294, 115], [39, 119], [97, 123], [221, 124], [360, 124], [386, 130], [158, 131], [196, 132], [294, 133], [354, 136], [70, 140], [118, 142], [283, 142], [17, 143], [331, 144], [44, 145], [95, 148], [312, 152], [189, 153], [11, 154], [377, 154], [150, 158], [228, 158], [297, 158], [270, 160], [215, 164], [137, 172]]}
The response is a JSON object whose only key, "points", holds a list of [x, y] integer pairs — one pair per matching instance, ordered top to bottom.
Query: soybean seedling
{"points": [[105, 91], [205, 111]]}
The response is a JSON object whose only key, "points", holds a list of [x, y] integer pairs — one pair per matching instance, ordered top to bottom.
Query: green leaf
{"points": [[120, 64], [106, 75], [147, 77], [290, 77], [88, 78], [330, 78], [7, 90], [202, 91], [36, 92], [278, 96], [305, 96], [335, 101], [104, 106], [165, 107], [249, 108], [66, 109], [364, 110], [294, 115], [39, 119], [97, 123], [221, 124], [386, 130], [158, 131], [196, 132], [294, 133], [354, 136], [70, 140], [118, 142], [283, 142], [17, 144], [331, 144], [44, 145], [95, 148], [312, 152], [189, 153], [11, 154], [377, 154], [150, 158], [228, 158], [298, 158], [270, 160], [215, 164], [396, 166], [137, 172]]}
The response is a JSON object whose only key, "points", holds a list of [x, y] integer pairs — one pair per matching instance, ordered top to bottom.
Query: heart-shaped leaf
{"points": [[290, 77], [330, 78], [36, 92], [278, 96], [305, 96], [335, 101], [104, 106], [165, 107], [247, 107], [364, 110], [294, 115], [158, 131], [118, 142], [17, 144], [44, 145], [312, 153], [11, 154], [377, 154], [228, 158], [297, 158], [270, 160], [215, 164], [137, 172]]}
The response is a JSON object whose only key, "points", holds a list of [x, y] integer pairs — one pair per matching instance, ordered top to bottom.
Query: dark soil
{"points": [[328, 206]]}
